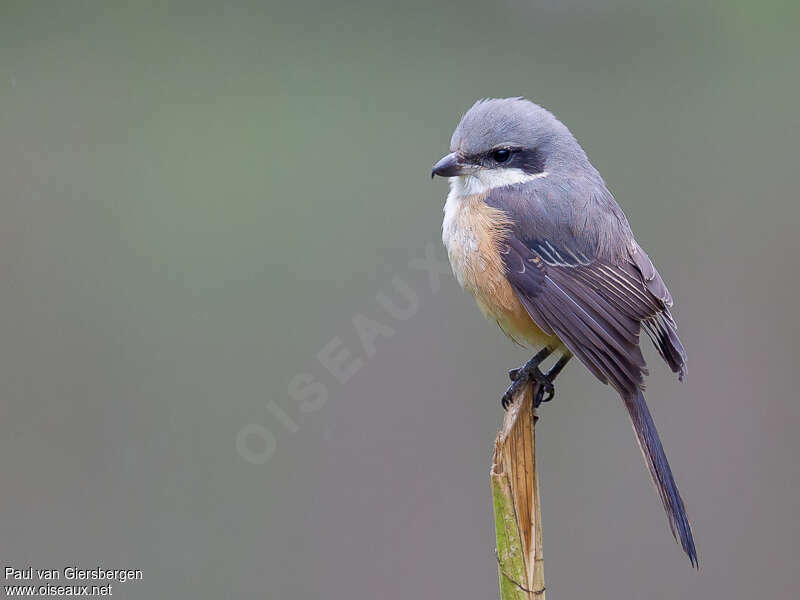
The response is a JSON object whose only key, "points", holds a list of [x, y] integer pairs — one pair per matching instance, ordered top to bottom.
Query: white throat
{"points": [[485, 180]]}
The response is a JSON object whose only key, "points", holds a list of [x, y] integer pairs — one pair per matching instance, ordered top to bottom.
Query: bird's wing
{"points": [[573, 262], [596, 308]]}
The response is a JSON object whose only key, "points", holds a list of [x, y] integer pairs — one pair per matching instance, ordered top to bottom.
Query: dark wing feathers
{"points": [[652, 280], [593, 284], [596, 309], [660, 326], [663, 332]]}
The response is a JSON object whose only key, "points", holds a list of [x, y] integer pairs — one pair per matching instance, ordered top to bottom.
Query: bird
{"points": [[534, 234]]}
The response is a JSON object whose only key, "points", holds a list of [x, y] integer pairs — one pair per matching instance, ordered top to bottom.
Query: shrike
{"points": [[534, 234]]}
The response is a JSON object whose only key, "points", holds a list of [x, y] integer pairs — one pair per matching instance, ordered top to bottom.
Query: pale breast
{"points": [[473, 234]]}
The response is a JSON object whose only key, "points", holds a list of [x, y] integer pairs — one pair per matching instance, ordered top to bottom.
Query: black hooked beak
{"points": [[448, 166]]}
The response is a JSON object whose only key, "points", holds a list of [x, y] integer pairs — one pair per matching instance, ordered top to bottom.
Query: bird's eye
{"points": [[501, 155]]}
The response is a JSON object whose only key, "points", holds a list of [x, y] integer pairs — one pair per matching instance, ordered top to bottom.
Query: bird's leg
{"points": [[533, 363], [530, 372], [526, 373], [550, 376]]}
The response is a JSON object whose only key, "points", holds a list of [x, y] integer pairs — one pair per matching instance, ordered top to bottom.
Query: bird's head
{"points": [[503, 141]]}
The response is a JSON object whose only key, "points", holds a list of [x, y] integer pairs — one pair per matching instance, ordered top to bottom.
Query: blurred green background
{"points": [[197, 197]]}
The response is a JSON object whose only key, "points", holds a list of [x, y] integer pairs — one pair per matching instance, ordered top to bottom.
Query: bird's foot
{"points": [[530, 373], [524, 376], [544, 393]]}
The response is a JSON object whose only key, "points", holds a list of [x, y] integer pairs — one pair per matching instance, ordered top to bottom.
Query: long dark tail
{"points": [[661, 473]]}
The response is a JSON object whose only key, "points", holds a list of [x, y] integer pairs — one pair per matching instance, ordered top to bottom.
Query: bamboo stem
{"points": [[517, 509]]}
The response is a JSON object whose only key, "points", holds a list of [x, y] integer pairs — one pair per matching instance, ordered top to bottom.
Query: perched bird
{"points": [[533, 233]]}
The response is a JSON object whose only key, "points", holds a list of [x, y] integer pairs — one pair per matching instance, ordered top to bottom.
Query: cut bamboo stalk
{"points": [[517, 509]]}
